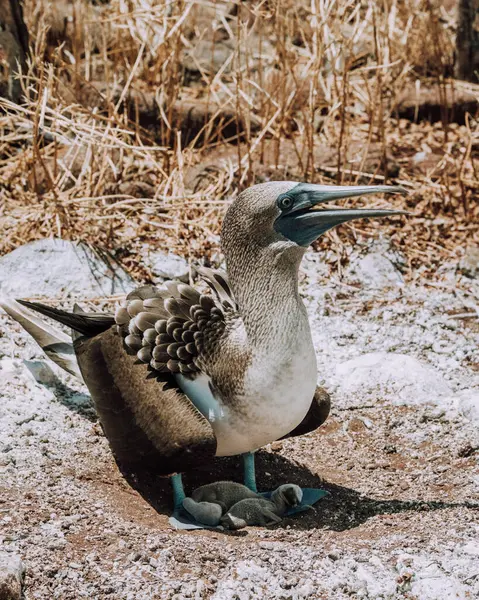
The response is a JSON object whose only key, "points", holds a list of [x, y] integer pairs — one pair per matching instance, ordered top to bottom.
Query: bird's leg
{"points": [[249, 471], [178, 491], [310, 495], [183, 519]]}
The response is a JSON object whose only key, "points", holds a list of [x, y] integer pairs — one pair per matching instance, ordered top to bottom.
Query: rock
{"points": [[60, 18], [207, 21], [208, 56], [429, 103], [191, 116], [270, 161], [68, 163], [137, 189], [469, 263], [167, 266], [377, 266], [50, 267], [376, 271], [401, 379], [467, 403], [466, 450], [12, 573]]}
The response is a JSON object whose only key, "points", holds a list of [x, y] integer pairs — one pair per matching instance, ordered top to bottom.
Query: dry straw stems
{"points": [[142, 119]]}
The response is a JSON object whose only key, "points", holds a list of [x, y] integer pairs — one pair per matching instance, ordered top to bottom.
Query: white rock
{"points": [[469, 263], [167, 266], [50, 267], [376, 271], [399, 378], [467, 403], [471, 548], [12, 573], [435, 585]]}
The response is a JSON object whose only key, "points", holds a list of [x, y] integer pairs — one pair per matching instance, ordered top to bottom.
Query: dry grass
{"points": [[101, 150]]}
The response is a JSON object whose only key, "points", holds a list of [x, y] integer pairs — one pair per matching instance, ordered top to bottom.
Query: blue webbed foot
{"points": [[181, 519]]}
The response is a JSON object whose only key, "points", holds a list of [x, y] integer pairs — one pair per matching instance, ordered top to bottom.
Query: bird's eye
{"points": [[285, 202]]}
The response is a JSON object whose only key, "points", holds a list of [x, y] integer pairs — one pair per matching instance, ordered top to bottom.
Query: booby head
{"points": [[286, 211]]}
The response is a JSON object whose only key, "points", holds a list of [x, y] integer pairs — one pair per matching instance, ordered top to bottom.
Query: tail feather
{"points": [[89, 324], [57, 345]]}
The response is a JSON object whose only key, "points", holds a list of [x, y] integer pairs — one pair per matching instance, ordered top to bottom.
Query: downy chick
{"points": [[209, 502], [260, 511]]}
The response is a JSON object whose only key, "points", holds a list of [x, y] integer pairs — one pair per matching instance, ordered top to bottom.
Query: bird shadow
{"points": [[74, 400], [77, 402], [343, 509]]}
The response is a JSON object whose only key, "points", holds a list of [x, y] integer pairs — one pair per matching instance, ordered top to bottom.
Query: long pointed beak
{"points": [[302, 225]]}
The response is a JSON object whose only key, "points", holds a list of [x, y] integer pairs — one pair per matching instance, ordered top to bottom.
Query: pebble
{"points": [[469, 263], [165, 266], [375, 271], [389, 449], [467, 450], [4, 460], [379, 464], [56, 544], [134, 556], [333, 556], [12, 573]]}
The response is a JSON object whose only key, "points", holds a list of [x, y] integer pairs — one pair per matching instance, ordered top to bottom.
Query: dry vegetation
{"points": [[143, 118]]}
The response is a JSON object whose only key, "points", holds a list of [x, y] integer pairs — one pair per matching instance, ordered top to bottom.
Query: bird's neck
{"points": [[265, 284]]}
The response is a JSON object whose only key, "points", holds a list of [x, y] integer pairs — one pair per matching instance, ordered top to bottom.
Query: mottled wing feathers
{"points": [[218, 282], [173, 326]]}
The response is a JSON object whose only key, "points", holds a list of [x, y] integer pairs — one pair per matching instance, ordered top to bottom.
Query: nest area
{"points": [[141, 120]]}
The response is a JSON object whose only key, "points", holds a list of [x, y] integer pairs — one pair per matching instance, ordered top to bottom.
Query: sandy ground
{"points": [[399, 456]]}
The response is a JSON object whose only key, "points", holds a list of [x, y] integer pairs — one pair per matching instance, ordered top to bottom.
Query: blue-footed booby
{"points": [[178, 376]]}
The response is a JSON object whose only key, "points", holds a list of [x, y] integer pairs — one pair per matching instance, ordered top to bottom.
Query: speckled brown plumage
{"points": [[178, 374], [147, 420]]}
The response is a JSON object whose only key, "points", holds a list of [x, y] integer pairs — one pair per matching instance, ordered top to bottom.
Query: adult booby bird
{"points": [[178, 376]]}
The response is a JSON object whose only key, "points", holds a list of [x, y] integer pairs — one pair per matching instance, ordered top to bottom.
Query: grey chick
{"points": [[224, 493], [209, 502], [260, 511], [206, 513]]}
